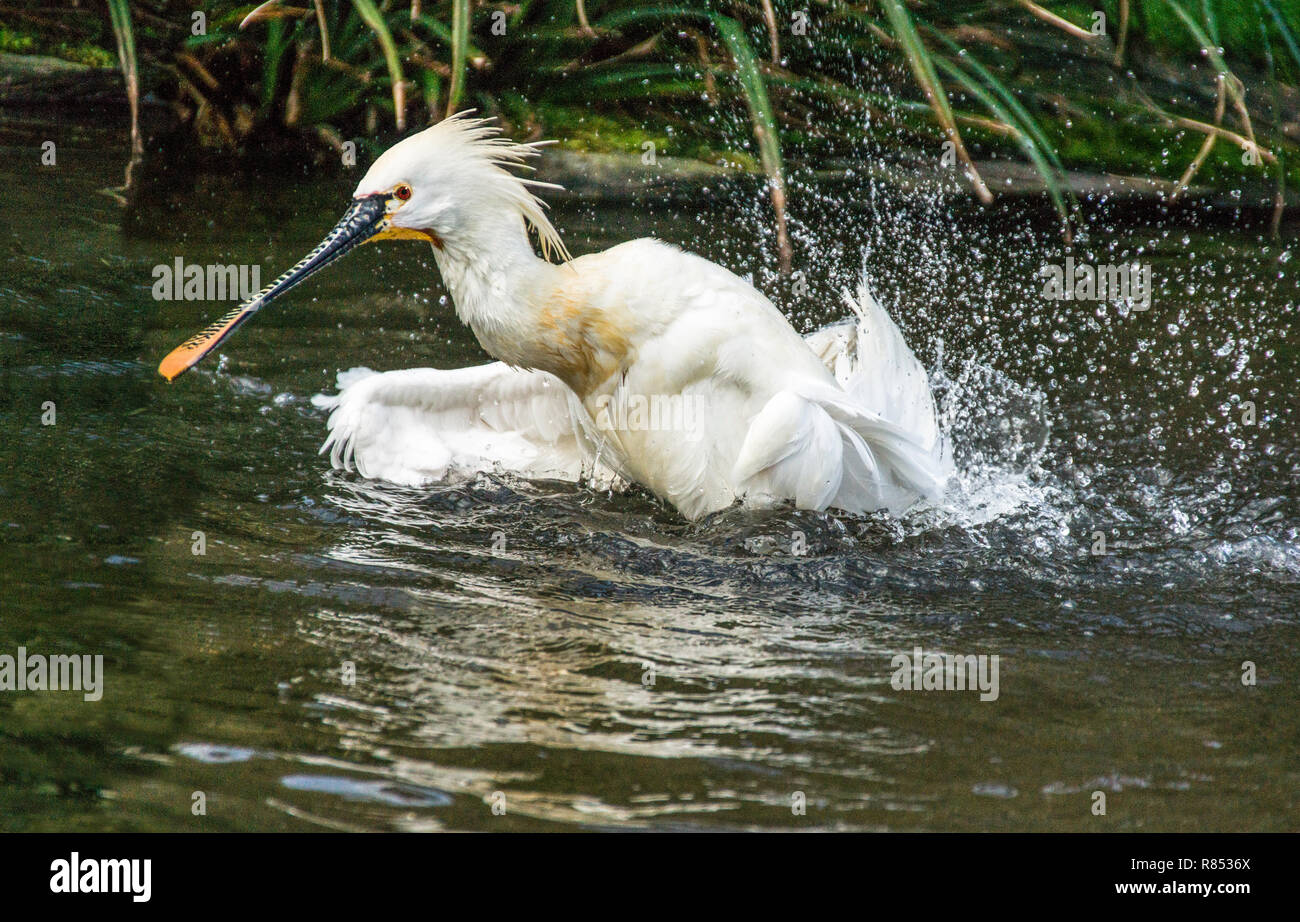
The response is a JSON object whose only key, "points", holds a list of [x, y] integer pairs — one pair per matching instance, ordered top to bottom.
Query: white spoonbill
{"points": [[642, 362]]}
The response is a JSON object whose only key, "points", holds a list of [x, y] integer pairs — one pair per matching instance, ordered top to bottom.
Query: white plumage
{"points": [[641, 362]]}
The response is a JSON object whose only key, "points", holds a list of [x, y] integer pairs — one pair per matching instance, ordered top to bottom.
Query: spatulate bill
{"points": [[364, 220], [195, 349]]}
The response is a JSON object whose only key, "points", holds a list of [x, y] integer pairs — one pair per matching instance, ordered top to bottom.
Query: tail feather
{"points": [[887, 377], [893, 447], [792, 450]]}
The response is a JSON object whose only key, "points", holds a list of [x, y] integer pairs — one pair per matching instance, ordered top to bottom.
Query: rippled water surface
{"points": [[591, 660]]}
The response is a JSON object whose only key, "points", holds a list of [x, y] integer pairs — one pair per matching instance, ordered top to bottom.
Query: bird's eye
{"points": [[403, 192]]}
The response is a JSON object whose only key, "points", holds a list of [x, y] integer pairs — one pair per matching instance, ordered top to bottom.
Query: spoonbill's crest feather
{"points": [[459, 169]]}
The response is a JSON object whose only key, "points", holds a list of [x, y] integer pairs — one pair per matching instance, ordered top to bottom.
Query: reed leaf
{"points": [[119, 12], [370, 14], [1288, 37], [276, 45], [1211, 48], [459, 52], [918, 56], [750, 78], [1023, 119], [765, 127], [1025, 138], [1279, 197]]}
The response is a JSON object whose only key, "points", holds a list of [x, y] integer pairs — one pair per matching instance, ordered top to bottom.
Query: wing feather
{"points": [[422, 425]]}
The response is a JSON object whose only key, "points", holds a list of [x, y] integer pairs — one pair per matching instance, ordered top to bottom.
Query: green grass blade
{"points": [[367, 10], [119, 12], [626, 17], [1211, 21], [1288, 37], [276, 45], [1211, 49], [459, 52], [918, 56], [754, 89], [755, 92], [1024, 120], [764, 123], [1036, 154], [1279, 200]]}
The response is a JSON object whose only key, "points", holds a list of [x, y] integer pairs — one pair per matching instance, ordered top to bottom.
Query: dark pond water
{"points": [[591, 660]]}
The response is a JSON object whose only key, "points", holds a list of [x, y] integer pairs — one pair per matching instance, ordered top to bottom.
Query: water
{"points": [[591, 660]]}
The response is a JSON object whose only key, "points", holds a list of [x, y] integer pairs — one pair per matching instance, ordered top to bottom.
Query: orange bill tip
{"points": [[365, 219], [191, 352], [178, 361]]}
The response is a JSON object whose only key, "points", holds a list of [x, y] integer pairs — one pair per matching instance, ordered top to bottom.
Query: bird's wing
{"points": [[872, 362], [422, 425], [872, 443], [815, 444]]}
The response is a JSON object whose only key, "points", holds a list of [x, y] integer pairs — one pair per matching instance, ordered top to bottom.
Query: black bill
{"points": [[366, 218]]}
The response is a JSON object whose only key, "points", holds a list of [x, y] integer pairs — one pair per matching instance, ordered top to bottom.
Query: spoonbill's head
{"points": [[450, 185]]}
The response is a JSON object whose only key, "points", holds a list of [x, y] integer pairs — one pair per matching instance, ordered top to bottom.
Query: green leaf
{"points": [[367, 10], [1288, 37], [459, 52], [918, 56], [1042, 164]]}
